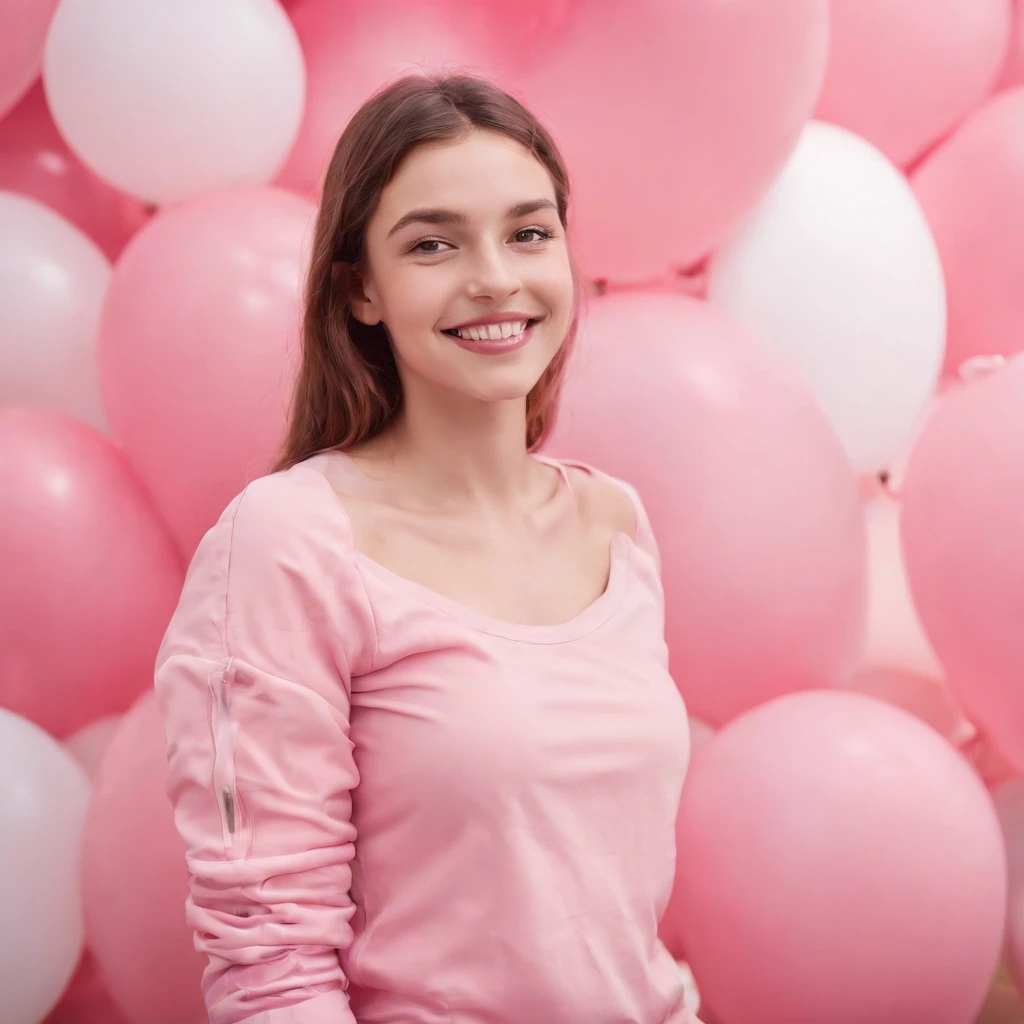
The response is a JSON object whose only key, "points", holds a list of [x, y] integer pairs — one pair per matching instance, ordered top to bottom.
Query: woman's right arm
{"points": [[253, 681]]}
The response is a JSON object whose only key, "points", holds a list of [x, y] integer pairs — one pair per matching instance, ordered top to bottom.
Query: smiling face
{"points": [[466, 230]]}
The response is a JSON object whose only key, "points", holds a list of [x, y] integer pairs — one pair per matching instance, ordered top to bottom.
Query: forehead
{"points": [[481, 175]]}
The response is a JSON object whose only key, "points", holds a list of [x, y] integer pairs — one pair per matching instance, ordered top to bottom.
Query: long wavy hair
{"points": [[348, 388]]}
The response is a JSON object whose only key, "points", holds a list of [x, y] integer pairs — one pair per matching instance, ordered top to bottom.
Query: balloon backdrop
{"points": [[25, 23], [352, 49], [952, 51], [1013, 70], [164, 100], [675, 115], [35, 161], [972, 192], [837, 269], [52, 282], [778, 305], [198, 347], [755, 506], [960, 524], [90, 576], [895, 637], [88, 745], [43, 799], [1009, 802], [132, 857], [817, 879], [86, 999]]}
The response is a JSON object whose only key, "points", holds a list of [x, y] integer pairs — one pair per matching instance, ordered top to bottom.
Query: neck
{"points": [[466, 454]]}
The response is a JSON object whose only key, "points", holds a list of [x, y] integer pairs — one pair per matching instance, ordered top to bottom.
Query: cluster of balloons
{"points": [[805, 275]]}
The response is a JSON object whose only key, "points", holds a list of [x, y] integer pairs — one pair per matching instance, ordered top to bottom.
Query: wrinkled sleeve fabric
{"points": [[253, 681]]}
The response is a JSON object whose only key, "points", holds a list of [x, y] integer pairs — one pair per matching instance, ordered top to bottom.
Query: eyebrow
{"points": [[438, 215]]}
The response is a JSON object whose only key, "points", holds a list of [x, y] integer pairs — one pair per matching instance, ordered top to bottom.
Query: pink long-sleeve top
{"points": [[397, 809]]}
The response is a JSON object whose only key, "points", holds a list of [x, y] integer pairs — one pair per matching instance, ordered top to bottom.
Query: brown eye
{"points": [[543, 235]]}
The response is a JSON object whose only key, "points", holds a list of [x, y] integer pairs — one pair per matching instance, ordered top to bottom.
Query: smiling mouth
{"points": [[453, 332]]}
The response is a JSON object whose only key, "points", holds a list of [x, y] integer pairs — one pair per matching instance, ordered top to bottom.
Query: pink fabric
{"points": [[399, 809]]}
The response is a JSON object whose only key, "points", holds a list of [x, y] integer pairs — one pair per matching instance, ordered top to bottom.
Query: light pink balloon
{"points": [[25, 23], [352, 48], [1013, 70], [902, 73], [674, 119], [35, 161], [972, 192], [198, 347], [754, 504], [961, 529], [90, 574], [895, 638], [926, 698], [88, 745], [839, 862], [134, 880]]}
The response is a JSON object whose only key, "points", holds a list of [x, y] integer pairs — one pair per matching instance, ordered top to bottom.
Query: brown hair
{"points": [[348, 388]]}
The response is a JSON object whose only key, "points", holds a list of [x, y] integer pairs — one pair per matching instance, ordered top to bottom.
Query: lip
{"points": [[493, 318], [492, 348]]}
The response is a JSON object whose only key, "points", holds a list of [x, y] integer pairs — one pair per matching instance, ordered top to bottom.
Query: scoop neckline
{"points": [[588, 619]]}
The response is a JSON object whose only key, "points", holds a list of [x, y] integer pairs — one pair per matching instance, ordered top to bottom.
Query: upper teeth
{"points": [[492, 332]]}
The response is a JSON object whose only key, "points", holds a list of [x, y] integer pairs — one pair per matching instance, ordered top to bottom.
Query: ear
{"points": [[363, 300]]}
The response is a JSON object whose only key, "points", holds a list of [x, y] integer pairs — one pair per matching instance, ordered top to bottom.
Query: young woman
{"points": [[423, 746]]}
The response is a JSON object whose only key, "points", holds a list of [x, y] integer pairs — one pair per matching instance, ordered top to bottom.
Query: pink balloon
{"points": [[25, 23], [352, 48], [951, 50], [1013, 70], [674, 119], [35, 161], [972, 192], [198, 347], [755, 506], [961, 523], [90, 577], [895, 638], [927, 699], [88, 745], [992, 767], [1009, 801], [838, 862], [134, 880], [86, 999]]}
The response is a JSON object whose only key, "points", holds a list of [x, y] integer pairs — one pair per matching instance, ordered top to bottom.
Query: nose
{"points": [[493, 274]]}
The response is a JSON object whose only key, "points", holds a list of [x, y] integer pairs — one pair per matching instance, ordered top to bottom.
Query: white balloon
{"points": [[168, 99], [837, 268], [52, 282], [43, 799]]}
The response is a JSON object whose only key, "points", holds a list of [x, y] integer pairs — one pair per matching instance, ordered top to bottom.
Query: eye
{"points": [[543, 235], [418, 246]]}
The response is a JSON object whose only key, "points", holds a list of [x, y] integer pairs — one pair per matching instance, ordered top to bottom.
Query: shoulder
{"points": [[614, 502], [287, 510], [279, 557]]}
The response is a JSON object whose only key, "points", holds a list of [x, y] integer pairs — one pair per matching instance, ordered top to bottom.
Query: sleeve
{"points": [[253, 681]]}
